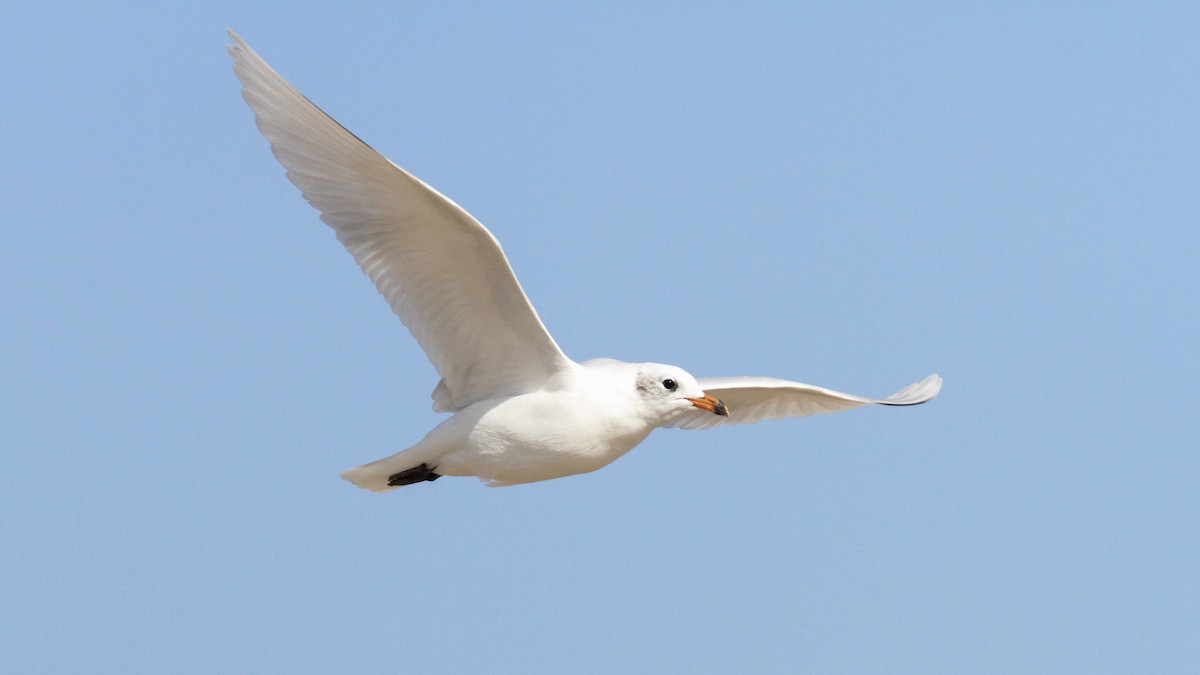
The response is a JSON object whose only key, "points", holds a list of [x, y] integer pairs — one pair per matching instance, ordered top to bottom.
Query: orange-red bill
{"points": [[713, 405]]}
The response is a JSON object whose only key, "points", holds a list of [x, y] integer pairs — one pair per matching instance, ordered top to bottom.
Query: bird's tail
{"points": [[389, 473], [370, 477]]}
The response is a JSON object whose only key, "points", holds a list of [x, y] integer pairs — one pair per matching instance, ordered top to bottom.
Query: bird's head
{"points": [[670, 390]]}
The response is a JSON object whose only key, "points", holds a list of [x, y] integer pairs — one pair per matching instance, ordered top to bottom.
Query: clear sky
{"points": [[849, 196]]}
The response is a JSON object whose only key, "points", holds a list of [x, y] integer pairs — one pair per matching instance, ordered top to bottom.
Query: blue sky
{"points": [[850, 196]]}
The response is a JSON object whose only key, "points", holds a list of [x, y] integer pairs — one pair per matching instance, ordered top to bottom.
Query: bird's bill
{"points": [[713, 405]]}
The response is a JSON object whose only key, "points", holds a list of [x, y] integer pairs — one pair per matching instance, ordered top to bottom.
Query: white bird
{"points": [[522, 411]]}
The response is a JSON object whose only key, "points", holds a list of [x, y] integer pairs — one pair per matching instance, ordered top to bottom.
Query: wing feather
{"points": [[441, 271], [755, 399]]}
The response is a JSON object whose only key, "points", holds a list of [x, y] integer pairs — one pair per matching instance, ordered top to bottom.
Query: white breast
{"points": [[546, 434]]}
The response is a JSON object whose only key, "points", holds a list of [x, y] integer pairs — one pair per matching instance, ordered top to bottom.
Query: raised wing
{"points": [[442, 272], [754, 399]]}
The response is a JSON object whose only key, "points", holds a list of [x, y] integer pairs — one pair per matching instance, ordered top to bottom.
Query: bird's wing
{"points": [[442, 272], [754, 399]]}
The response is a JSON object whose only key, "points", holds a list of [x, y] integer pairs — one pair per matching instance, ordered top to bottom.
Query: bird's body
{"points": [[521, 411], [577, 422]]}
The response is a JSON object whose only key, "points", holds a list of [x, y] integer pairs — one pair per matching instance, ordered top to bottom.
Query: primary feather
{"points": [[442, 272]]}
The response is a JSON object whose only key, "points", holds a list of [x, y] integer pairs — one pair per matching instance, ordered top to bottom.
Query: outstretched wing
{"points": [[442, 272], [754, 399]]}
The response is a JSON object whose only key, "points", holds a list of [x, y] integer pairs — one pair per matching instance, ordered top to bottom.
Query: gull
{"points": [[521, 411]]}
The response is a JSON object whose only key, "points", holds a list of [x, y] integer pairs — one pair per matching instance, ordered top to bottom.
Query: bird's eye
{"points": [[670, 384]]}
